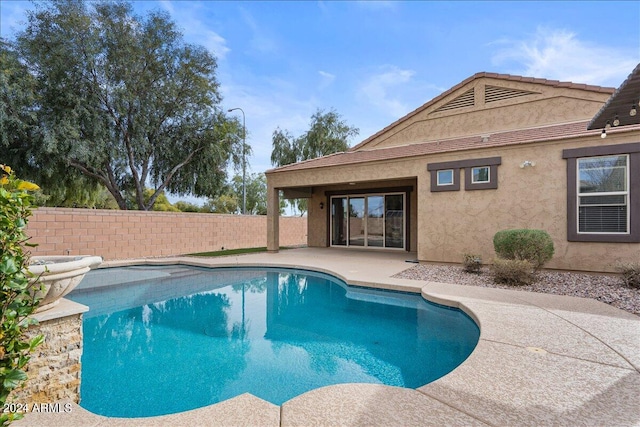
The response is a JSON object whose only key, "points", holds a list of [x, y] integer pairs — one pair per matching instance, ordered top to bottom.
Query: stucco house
{"points": [[493, 152]]}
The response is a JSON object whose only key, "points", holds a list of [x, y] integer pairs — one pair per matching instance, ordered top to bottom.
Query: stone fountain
{"points": [[58, 275]]}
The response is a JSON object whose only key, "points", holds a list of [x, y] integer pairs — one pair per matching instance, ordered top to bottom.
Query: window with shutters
{"points": [[603, 193]]}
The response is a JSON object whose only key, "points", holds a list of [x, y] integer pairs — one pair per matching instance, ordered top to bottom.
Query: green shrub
{"points": [[534, 246], [471, 263], [515, 272], [630, 274], [17, 301]]}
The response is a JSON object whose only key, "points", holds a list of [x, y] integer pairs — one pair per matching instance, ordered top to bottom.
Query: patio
{"points": [[541, 360]]}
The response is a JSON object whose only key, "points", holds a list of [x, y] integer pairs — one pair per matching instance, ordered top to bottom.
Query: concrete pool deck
{"points": [[541, 360]]}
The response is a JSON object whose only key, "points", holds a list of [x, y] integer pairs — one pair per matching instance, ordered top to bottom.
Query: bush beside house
{"points": [[521, 252]]}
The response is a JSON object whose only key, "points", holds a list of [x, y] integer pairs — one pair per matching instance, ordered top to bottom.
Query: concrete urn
{"points": [[58, 275]]}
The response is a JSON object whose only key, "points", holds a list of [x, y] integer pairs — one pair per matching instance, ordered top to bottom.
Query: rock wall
{"points": [[54, 368]]}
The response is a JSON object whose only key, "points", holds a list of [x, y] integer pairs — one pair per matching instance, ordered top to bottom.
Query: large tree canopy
{"points": [[125, 101], [327, 134], [21, 140]]}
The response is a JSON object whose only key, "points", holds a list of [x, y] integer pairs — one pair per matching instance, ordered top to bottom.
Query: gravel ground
{"points": [[606, 288]]}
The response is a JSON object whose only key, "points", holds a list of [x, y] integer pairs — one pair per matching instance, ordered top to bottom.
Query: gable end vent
{"points": [[495, 93], [467, 99]]}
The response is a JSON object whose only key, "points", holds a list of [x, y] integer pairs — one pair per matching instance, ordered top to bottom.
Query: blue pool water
{"points": [[160, 340]]}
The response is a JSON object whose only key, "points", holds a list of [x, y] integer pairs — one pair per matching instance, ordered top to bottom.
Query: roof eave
{"points": [[619, 104], [540, 139]]}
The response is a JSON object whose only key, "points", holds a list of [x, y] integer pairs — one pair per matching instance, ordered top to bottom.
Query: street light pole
{"points": [[244, 162]]}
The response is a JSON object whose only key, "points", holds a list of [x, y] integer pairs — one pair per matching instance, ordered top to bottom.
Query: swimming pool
{"points": [[160, 340]]}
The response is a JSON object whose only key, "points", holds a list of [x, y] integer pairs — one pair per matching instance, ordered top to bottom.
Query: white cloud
{"points": [[188, 17], [560, 55], [326, 79], [381, 89]]}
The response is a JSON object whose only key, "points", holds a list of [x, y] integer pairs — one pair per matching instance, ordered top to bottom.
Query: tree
{"points": [[17, 97], [125, 101], [18, 121], [327, 134], [20, 135], [256, 192], [77, 194], [231, 199], [162, 204], [223, 204], [183, 206]]}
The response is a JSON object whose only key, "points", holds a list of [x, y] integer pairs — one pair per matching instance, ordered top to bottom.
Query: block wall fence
{"points": [[114, 234]]}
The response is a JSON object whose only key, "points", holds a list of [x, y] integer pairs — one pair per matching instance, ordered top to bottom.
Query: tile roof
{"points": [[507, 77], [500, 139]]}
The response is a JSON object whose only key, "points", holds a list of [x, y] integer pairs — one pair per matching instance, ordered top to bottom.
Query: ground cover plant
{"points": [[471, 263], [514, 272], [630, 274], [17, 299]]}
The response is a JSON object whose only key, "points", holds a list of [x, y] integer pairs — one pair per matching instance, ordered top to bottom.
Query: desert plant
{"points": [[534, 246], [471, 263], [515, 272], [630, 273], [17, 299]]}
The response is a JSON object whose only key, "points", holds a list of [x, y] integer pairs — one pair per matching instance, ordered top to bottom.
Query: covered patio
{"points": [[349, 209]]}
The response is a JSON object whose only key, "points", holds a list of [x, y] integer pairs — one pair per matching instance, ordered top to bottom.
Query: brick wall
{"points": [[115, 234]]}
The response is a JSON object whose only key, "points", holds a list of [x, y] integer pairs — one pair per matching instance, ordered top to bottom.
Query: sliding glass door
{"points": [[372, 220], [339, 221], [357, 221], [375, 221], [394, 221]]}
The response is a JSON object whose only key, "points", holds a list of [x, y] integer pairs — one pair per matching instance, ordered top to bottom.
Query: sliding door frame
{"points": [[404, 191]]}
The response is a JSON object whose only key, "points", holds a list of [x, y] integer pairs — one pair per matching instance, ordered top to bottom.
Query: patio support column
{"points": [[273, 219]]}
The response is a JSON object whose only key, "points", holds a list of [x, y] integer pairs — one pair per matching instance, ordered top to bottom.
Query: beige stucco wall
{"points": [[550, 106], [532, 197], [448, 224]]}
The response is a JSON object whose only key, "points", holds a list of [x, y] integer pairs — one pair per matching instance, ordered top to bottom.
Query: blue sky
{"points": [[374, 62]]}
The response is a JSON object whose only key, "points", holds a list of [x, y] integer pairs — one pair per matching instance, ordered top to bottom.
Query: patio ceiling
{"points": [[620, 103]]}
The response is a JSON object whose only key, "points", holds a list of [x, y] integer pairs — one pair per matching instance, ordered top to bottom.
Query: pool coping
{"points": [[541, 359]]}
